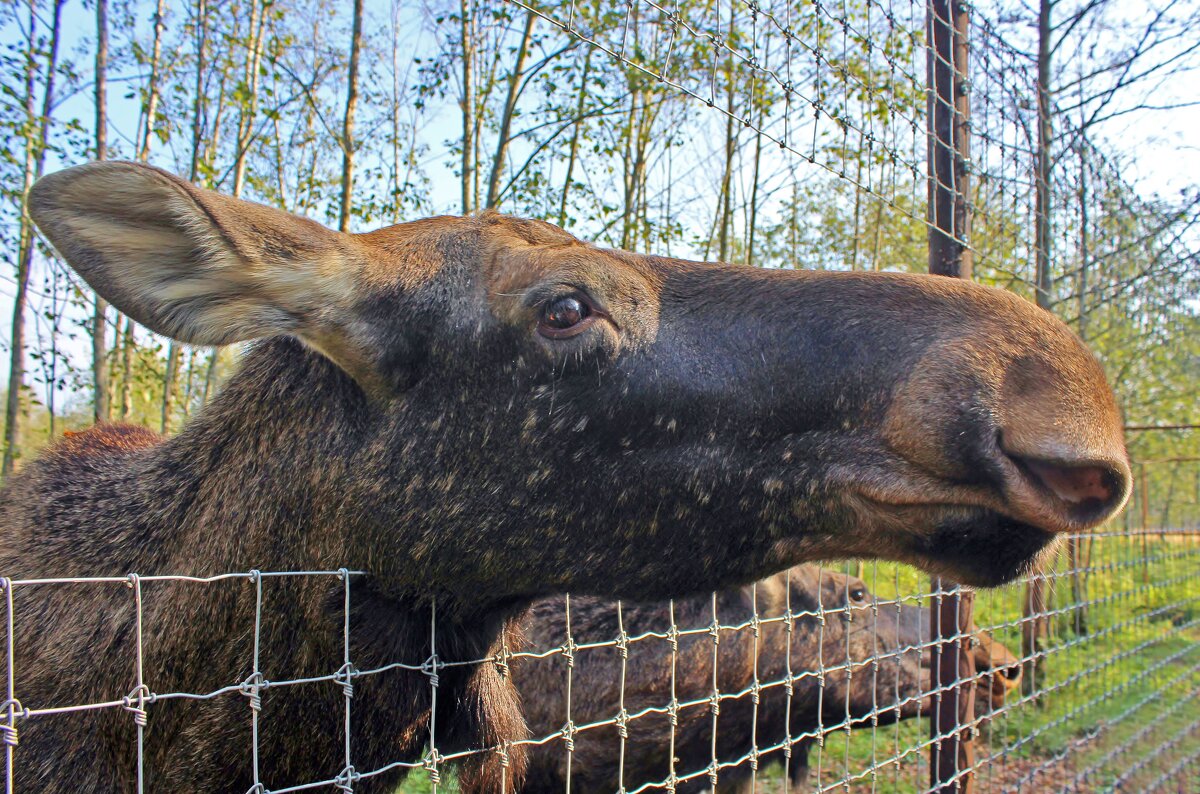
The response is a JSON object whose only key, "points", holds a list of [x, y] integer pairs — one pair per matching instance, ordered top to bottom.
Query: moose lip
{"points": [[974, 544], [983, 548]]}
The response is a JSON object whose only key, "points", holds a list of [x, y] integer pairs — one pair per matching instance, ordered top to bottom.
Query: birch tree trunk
{"points": [[468, 106], [510, 106], [249, 107], [348, 120], [575, 131], [37, 135], [171, 374], [100, 404]]}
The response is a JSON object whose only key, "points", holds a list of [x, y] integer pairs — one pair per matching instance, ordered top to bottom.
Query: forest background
{"points": [[362, 114]]}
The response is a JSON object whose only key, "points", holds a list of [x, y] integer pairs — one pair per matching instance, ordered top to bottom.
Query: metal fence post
{"points": [[951, 753]]}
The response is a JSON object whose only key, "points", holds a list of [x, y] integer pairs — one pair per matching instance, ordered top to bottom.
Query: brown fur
{"points": [[405, 416], [871, 655]]}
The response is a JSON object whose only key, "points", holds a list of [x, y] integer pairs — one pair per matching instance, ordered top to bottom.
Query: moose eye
{"points": [[564, 317], [858, 595]]}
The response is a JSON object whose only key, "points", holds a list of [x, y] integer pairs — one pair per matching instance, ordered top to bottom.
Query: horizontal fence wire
{"points": [[816, 671], [816, 679]]}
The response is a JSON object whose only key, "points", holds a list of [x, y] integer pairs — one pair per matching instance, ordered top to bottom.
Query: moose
{"points": [[477, 412], [851, 659]]}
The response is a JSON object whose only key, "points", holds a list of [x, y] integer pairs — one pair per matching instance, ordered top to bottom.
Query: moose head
{"points": [[481, 410]]}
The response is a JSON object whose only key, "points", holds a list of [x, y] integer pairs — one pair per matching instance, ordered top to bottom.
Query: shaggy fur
{"points": [[409, 415], [870, 657]]}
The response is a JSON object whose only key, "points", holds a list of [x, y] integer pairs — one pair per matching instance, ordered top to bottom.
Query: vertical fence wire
{"points": [[1088, 670]]}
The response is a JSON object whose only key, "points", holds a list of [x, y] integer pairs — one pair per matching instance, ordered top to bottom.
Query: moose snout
{"points": [[1020, 422], [1061, 442], [1065, 495]]}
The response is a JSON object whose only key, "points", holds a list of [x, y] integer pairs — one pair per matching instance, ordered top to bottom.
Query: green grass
{"points": [[1120, 699]]}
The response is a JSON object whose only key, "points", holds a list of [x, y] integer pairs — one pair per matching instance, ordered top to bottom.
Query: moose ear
{"points": [[188, 263]]}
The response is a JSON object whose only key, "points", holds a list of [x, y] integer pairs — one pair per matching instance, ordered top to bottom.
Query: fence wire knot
{"points": [[501, 660], [430, 668], [345, 678], [252, 688], [135, 702], [13, 706], [622, 721], [568, 731], [430, 764], [346, 779]]}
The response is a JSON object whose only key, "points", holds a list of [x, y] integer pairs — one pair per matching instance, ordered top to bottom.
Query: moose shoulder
{"points": [[481, 410]]}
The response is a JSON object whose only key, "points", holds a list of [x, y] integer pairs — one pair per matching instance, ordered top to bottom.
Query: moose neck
{"points": [[249, 481]]}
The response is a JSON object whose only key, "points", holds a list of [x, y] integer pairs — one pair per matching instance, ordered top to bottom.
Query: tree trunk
{"points": [[468, 104], [510, 106], [249, 108], [348, 120], [574, 147], [143, 153], [35, 157], [727, 176], [397, 184], [1042, 219], [752, 221], [856, 242], [55, 312], [128, 338], [127, 344], [170, 374], [210, 376], [100, 404], [1033, 624]]}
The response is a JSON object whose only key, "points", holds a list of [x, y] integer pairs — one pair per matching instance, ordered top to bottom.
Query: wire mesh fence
{"points": [[1083, 676], [815, 679]]}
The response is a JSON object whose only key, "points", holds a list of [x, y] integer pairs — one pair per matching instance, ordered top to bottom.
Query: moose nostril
{"points": [[1076, 485], [1060, 488], [1012, 673]]}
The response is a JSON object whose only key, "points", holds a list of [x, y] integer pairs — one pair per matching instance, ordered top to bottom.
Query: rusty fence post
{"points": [[952, 673], [951, 752]]}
